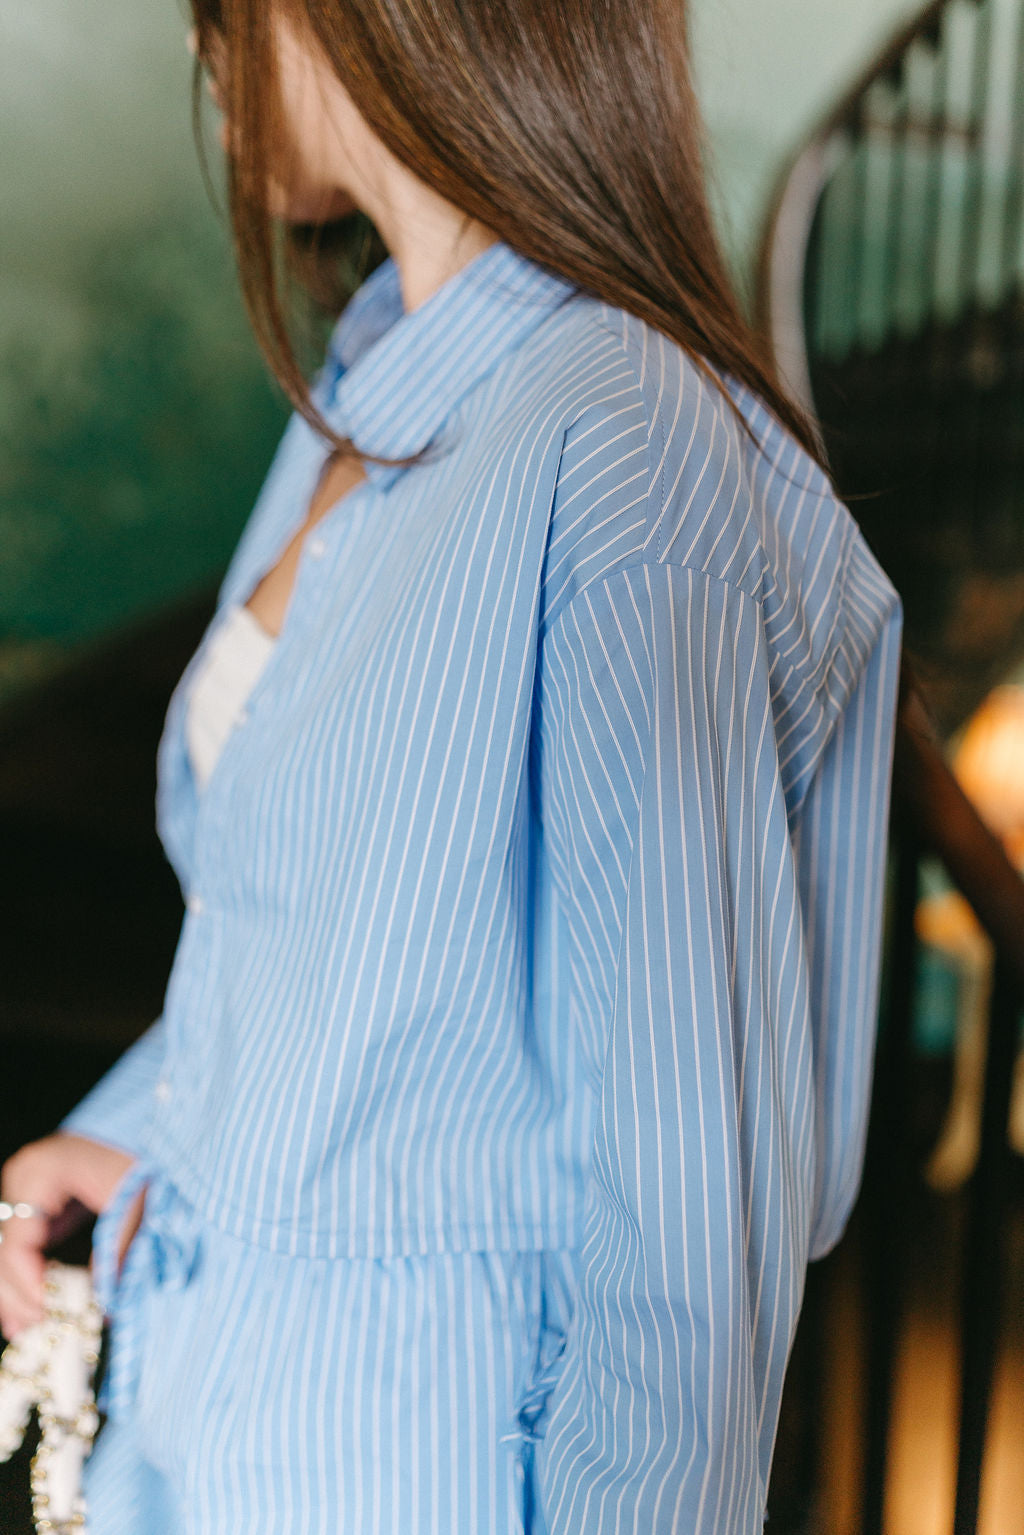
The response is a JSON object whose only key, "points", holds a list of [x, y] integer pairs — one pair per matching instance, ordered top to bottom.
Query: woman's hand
{"points": [[54, 1175]]}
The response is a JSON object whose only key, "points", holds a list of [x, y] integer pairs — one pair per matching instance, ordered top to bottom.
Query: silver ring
{"points": [[21, 1210]]}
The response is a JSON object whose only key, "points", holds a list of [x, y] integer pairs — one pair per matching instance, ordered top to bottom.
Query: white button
{"points": [[317, 548], [242, 717], [195, 904], [163, 1090]]}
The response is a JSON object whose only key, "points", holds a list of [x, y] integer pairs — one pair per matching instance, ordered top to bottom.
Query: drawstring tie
{"points": [[163, 1253]]}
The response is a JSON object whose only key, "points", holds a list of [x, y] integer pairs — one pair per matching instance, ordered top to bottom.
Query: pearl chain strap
{"points": [[49, 1366]]}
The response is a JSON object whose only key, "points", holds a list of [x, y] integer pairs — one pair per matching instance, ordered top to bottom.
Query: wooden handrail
{"points": [[924, 27], [949, 826]]}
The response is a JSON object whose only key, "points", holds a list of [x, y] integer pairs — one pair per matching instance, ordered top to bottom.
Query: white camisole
{"points": [[235, 658]]}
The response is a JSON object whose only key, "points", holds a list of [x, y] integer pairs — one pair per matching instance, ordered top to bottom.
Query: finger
{"points": [[27, 1180], [24, 1231], [23, 1275], [17, 1308], [15, 1317]]}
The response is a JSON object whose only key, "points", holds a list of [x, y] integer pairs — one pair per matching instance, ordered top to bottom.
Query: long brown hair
{"points": [[568, 127]]}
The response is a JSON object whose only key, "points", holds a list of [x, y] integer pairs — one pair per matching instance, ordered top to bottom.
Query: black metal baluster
{"points": [[938, 121], [875, 127], [895, 203], [1013, 211], [860, 230], [970, 246], [822, 249], [840, 251], [913, 273], [812, 285], [932, 389], [974, 391], [885, 398], [979, 1328]]}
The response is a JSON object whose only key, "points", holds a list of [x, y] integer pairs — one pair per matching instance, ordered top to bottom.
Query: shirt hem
{"points": [[396, 1241]]}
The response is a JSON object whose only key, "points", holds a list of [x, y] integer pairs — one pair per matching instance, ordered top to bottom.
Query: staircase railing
{"points": [[907, 206], [898, 239], [892, 283]]}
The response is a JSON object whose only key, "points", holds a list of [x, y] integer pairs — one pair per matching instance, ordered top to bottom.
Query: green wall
{"points": [[135, 420]]}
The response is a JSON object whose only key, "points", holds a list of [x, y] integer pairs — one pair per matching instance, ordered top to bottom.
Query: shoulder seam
{"points": [[599, 319], [627, 352]]}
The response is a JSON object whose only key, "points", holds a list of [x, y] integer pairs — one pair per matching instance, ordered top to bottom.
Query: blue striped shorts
{"points": [[253, 1392]]}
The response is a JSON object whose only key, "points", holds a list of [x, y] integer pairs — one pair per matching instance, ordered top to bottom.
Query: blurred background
{"points": [[866, 163]]}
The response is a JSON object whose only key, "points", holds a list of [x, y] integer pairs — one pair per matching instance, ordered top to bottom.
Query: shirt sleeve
{"points": [[669, 837], [840, 845], [118, 1110]]}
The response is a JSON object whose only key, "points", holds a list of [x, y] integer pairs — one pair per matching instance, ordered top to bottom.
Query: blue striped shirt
{"points": [[536, 902]]}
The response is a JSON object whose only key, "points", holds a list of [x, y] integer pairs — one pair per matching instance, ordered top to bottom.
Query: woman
{"points": [[529, 794]]}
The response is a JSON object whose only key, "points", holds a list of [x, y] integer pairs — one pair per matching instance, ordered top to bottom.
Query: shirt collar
{"points": [[397, 377]]}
